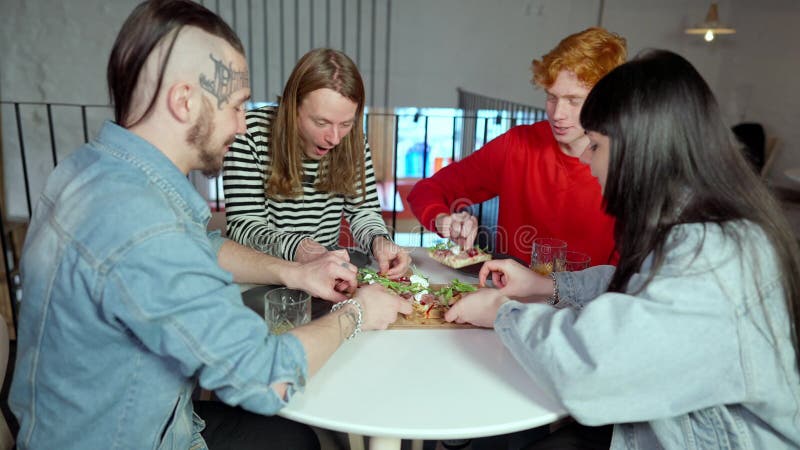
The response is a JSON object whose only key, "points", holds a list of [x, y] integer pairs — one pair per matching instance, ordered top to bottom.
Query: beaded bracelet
{"points": [[554, 299], [350, 301]]}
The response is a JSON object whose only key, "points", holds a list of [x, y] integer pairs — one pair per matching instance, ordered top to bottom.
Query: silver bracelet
{"points": [[553, 299], [350, 301]]}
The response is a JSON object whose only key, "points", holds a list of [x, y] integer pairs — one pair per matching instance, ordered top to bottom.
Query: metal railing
{"points": [[276, 33], [36, 136]]}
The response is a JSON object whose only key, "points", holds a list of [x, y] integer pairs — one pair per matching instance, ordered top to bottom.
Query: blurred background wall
{"points": [[416, 52]]}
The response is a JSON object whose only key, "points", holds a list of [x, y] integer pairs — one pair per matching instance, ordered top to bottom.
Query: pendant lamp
{"points": [[711, 27]]}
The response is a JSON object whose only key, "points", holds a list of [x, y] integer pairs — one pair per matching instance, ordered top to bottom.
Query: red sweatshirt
{"points": [[543, 193]]}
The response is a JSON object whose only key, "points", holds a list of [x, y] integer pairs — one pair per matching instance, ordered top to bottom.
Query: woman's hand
{"points": [[515, 280], [478, 308]]}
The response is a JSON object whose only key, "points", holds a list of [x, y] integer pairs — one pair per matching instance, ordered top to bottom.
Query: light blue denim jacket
{"points": [[125, 309], [694, 361]]}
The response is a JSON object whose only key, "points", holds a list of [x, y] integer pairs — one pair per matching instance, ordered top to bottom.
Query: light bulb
{"points": [[709, 36]]}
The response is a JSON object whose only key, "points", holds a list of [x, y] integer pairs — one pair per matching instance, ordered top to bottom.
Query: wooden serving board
{"points": [[403, 323]]}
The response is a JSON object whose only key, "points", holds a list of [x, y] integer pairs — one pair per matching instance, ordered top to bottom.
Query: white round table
{"points": [[420, 383], [423, 384]]}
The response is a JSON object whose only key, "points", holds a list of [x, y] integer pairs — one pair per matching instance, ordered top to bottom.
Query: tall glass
{"points": [[548, 255], [286, 308]]}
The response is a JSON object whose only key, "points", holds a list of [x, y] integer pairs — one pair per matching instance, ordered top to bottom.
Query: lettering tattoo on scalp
{"points": [[226, 81]]}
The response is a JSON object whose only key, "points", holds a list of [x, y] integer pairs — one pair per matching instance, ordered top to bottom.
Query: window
{"points": [[428, 139]]}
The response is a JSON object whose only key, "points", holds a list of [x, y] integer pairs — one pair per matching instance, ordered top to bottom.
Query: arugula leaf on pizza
{"points": [[452, 255], [429, 301]]}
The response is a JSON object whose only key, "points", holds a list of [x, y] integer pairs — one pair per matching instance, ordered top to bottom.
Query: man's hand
{"points": [[460, 228], [309, 250], [392, 260], [330, 277], [515, 280], [380, 306], [478, 308]]}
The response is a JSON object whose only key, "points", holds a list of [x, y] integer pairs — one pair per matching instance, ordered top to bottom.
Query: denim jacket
{"points": [[125, 310], [701, 358]]}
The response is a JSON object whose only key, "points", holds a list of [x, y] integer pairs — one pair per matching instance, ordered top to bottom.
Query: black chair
{"points": [[752, 136]]}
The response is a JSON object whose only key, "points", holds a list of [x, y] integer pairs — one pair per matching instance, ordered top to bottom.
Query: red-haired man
{"points": [[545, 191]]}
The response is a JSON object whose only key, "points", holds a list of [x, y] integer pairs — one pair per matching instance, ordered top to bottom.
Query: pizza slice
{"points": [[452, 255], [406, 286], [429, 302], [435, 303]]}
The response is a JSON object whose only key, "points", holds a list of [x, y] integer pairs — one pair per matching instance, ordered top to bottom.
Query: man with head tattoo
{"points": [[129, 304]]}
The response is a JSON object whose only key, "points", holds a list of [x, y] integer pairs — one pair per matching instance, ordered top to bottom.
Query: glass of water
{"points": [[286, 308]]}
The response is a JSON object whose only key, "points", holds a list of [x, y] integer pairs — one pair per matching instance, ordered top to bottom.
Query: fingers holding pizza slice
{"points": [[452, 255], [440, 299], [429, 301]]}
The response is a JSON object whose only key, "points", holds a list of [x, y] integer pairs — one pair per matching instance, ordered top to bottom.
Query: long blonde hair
{"points": [[340, 169]]}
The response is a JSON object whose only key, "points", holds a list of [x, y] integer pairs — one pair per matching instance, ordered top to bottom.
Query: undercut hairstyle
{"points": [[150, 23], [589, 54], [673, 161], [342, 169]]}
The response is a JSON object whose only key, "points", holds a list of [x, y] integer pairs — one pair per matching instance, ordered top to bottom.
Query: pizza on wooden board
{"points": [[452, 255], [429, 301]]}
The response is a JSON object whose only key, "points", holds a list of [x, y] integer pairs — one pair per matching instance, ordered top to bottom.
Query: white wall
{"points": [[482, 46], [487, 47], [51, 51], [57, 51], [759, 78]]}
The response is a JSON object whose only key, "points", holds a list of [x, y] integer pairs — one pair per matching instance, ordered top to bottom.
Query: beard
{"points": [[200, 136]]}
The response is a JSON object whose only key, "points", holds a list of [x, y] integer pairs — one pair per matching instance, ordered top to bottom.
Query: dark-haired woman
{"points": [[304, 164], [691, 342]]}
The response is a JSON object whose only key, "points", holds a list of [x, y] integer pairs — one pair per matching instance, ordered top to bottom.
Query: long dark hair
{"points": [[143, 30], [673, 162], [341, 169]]}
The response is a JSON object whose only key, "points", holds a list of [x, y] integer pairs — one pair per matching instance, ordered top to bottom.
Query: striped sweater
{"points": [[289, 220]]}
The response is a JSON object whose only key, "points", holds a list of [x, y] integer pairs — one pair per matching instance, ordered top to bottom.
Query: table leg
{"points": [[356, 441], [384, 443], [416, 444]]}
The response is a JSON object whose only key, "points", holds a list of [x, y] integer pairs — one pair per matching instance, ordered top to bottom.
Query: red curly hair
{"points": [[589, 54]]}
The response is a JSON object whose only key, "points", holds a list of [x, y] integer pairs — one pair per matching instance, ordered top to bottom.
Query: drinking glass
{"points": [[548, 255], [575, 261], [286, 308]]}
